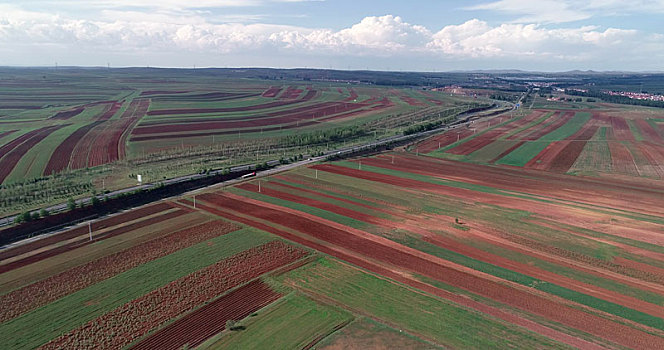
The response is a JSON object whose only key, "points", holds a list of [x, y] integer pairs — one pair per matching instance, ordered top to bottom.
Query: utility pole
{"points": [[392, 159], [359, 167], [316, 174], [259, 186], [194, 201], [90, 229]]}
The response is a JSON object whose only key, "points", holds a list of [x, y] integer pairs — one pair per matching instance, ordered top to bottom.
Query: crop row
{"points": [[14, 155], [98, 225], [83, 242], [398, 255], [79, 277], [133, 320], [195, 328]]}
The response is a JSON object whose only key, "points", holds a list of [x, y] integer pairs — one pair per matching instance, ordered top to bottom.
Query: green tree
{"points": [[71, 203]]}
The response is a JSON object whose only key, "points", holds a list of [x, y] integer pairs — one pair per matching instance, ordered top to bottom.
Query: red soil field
{"points": [[273, 91], [163, 92], [291, 93], [310, 95], [353, 95], [113, 108], [310, 112], [539, 113], [64, 115], [560, 120], [305, 122], [621, 129], [647, 130], [5, 133], [490, 136], [431, 144], [107, 145], [9, 146], [62, 154], [559, 156], [655, 157], [622, 160], [9, 161], [616, 193], [115, 220], [80, 243], [389, 252], [471, 252], [385, 270], [50, 289], [135, 319], [209, 320]]}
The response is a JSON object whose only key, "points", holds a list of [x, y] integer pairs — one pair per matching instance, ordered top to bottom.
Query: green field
{"points": [[523, 154], [433, 318], [292, 323]]}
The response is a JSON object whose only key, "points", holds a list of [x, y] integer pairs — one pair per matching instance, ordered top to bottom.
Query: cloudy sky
{"points": [[420, 35]]}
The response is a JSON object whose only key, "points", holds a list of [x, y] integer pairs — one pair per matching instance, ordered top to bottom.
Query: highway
{"points": [[277, 167]]}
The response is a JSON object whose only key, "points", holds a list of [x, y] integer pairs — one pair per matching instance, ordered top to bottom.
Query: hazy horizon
{"points": [[422, 36]]}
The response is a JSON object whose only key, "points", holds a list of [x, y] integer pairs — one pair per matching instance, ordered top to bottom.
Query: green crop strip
{"points": [[527, 151], [437, 319], [41, 325]]}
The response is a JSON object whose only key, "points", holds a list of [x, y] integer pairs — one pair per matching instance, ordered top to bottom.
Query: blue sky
{"points": [[546, 35]]}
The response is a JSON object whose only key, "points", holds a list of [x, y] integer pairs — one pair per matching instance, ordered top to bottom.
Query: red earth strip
{"points": [[310, 95], [647, 130], [61, 156], [9, 161], [96, 226], [81, 243], [472, 252], [395, 254], [77, 278], [195, 328]]}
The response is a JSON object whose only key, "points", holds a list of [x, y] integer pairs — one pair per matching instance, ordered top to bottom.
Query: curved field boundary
{"points": [[273, 91], [310, 95], [114, 106], [64, 115], [290, 116], [299, 124], [5, 133], [9, 146], [61, 156], [622, 160], [9, 161], [96, 226], [412, 260], [52, 288], [135, 319], [195, 328]]}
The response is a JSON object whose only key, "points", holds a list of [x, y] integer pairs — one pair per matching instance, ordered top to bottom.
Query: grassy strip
{"points": [[528, 126], [635, 130], [523, 154], [335, 194], [357, 208], [344, 220], [478, 265], [517, 277], [440, 320], [293, 323], [41, 325]]}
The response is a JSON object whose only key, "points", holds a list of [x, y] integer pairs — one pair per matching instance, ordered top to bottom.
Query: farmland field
{"points": [[65, 134], [599, 142], [537, 228]]}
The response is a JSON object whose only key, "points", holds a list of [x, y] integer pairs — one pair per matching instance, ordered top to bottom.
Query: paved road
{"points": [[279, 168]]}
